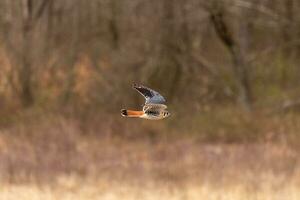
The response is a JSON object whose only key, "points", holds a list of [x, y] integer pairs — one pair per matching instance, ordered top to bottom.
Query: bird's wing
{"points": [[151, 96], [154, 107]]}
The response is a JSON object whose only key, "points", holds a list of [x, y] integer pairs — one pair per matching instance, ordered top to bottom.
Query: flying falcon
{"points": [[154, 107]]}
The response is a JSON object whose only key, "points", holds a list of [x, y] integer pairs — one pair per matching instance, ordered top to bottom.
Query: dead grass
{"points": [[59, 158], [73, 188]]}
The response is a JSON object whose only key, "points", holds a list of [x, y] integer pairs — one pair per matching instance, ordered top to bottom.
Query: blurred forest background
{"points": [[229, 70]]}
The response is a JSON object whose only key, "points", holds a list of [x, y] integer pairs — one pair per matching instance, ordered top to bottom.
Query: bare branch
{"points": [[41, 9], [261, 9]]}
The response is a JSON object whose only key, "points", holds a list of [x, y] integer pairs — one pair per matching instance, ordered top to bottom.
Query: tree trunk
{"points": [[31, 14], [237, 54], [169, 67], [25, 72]]}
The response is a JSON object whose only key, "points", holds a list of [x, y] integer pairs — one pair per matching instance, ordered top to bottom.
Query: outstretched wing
{"points": [[151, 96]]}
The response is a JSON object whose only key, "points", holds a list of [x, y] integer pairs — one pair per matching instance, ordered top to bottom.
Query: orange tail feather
{"points": [[131, 113]]}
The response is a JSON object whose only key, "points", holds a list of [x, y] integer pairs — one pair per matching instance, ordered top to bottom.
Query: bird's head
{"points": [[166, 114]]}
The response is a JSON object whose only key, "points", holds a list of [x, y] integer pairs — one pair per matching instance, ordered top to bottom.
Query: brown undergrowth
{"points": [[106, 157]]}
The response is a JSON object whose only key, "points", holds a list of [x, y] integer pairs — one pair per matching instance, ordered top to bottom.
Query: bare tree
{"points": [[19, 40], [149, 42], [237, 53]]}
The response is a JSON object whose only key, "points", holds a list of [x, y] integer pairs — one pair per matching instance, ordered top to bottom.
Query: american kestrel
{"points": [[154, 107]]}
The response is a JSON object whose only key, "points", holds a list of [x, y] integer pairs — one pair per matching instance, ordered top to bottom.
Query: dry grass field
{"points": [[61, 160], [218, 173], [71, 188]]}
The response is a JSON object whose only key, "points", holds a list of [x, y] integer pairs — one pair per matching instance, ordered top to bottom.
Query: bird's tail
{"points": [[131, 113]]}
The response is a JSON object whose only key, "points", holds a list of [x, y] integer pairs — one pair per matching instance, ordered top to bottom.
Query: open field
{"points": [[60, 161], [209, 172], [71, 188]]}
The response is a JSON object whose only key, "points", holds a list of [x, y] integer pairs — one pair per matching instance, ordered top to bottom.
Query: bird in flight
{"points": [[154, 107]]}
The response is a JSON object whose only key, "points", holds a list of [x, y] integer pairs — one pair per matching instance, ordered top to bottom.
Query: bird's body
{"points": [[154, 107]]}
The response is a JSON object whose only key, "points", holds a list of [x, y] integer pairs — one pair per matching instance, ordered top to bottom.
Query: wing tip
{"points": [[136, 85]]}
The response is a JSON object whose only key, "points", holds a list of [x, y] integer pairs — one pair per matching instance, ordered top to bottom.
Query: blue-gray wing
{"points": [[151, 96]]}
